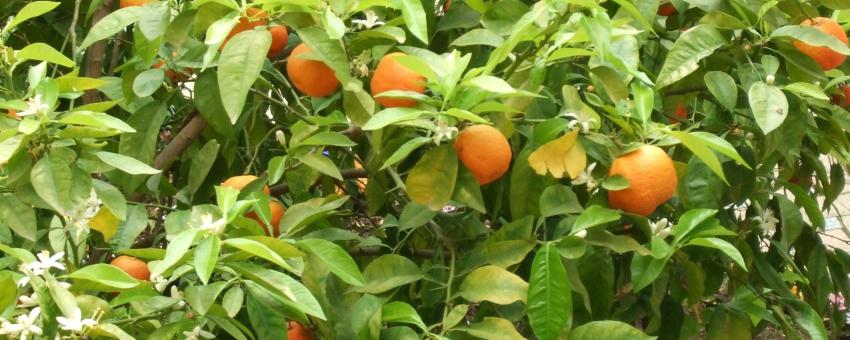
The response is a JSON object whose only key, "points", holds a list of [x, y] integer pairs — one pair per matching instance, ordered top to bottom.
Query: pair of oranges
{"points": [[314, 78], [275, 208]]}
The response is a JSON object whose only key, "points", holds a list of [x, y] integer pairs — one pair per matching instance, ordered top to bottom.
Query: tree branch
{"points": [[96, 52], [181, 141], [375, 251]]}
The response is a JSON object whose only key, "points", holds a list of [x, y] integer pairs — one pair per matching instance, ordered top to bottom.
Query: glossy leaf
{"points": [[692, 46], [239, 67], [769, 105], [432, 180], [337, 260], [494, 284], [549, 304]]}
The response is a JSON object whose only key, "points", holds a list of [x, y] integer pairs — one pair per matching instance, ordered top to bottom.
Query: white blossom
{"points": [[371, 20], [34, 106], [577, 120], [444, 132], [585, 177], [766, 221], [212, 226], [660, 228], [46, 261], [159, 283], [177, 294], [75, 322], [25, 326], [197, 333]]}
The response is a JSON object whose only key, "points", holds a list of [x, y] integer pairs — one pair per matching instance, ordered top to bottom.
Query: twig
{"points": [[73, 30], [95, 52], [181, 142], [283, 188]]}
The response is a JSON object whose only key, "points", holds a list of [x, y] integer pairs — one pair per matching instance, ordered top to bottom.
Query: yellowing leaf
{"points": [[561, 156], [105, 222]]}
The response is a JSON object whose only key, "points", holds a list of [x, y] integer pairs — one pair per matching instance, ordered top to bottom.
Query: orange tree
{"points": [[416, 169]]}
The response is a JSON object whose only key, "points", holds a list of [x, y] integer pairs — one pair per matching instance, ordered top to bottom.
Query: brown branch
{"points": [[96, 52], [180, 142], [283, 188]]}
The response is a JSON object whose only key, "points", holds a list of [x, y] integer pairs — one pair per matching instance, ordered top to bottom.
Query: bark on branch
{"points": [[96, 52], [181, 142]]}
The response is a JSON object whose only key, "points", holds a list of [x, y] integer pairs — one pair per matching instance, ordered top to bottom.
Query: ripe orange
{"points": [[128, 3], [447, 5], [666, 10], [255, 18], [279, 39], [824, 56], [391, 75], [311, 77], [681, 112], [12, 113], [484, 151], [652, 180], [239, 182], [276, 210], [133, 266], [297, 331]]}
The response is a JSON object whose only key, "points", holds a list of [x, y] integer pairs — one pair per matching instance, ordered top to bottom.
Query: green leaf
{"points": [[31, 10], [414, 18], [155, 21], [113, 23], [333, 24], [479, 36], [811, 36], [692, 46], [44, 52], [239, 66], [147, 82], [491, 84], [723, 87], [806, 89], [644, 98], [769, 105], [466, 115], [391, 116], [96, 119], [328, 138], [722, 146], [9, 147], [699, 148], [404, 150], [202, 163], [321, 163], [127, 164], [51, 179], [432, 180], [468, 191], [559, 200], [300, 215], [414, 215], [18, 216], [594, 216], [792, 221], [689, 222], [134, 223], [618, 243], [726, 247], [258, 249], [175, 252], [206, 257], [336, 259], [645, 269], [388, 272], [106, 275], [494, 284], [8, 292], [297, 296], [201, 298], [232, 301], [549, 303], [398, 311], [455, 316], [807, 318], [267, 323], [727, 324], [492, 329], [608, 330]]}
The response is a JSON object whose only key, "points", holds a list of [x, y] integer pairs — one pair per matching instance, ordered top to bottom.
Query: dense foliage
{"points": [[472, 169]]}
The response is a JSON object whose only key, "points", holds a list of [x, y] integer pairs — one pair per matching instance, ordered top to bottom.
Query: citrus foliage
{"points": [[415, 169]]}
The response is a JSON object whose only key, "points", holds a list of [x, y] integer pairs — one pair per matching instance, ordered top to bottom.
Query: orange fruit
{"points": [[128, 3], [447, 5], [666, 10], [255, 18], [279, 38], [824, 56], [173, 75], [391, 75], [311, 77], [681, 112], [12, 113], [484, 151], [652, 180], [239, 182], [276, 210], [133, 266], [297, 331]]}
